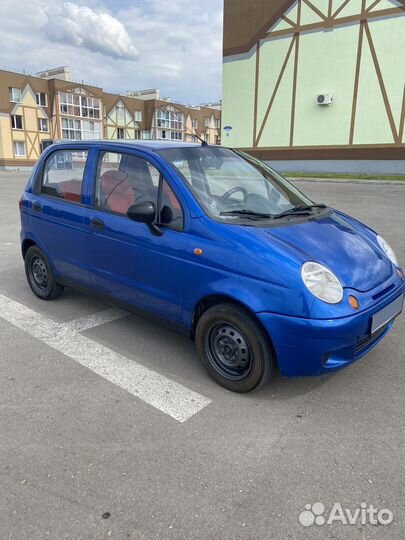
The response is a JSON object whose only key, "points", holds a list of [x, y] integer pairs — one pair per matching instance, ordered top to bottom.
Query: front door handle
{"points": [[36, 206], [97, 223]]}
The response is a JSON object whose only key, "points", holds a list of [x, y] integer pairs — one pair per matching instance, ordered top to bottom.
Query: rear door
{"points": [[57, 213], [125, 259]]}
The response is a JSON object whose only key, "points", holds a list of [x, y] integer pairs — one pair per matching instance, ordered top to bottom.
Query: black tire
{"points": [[40, 276], [234, 349]]}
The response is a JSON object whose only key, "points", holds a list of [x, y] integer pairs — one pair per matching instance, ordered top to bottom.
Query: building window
{"points": [[15, 95], [42, 99], [69, 104], [77, 105], [90, 107], [120, 110], [138, 116], [170, 119], [16, 121], [207, 121], [194, 123], [218, 123], [43, 124], [171, 124], [71, 129], [89, 129], [79, 130], [120, 133], [138, 134], [207, 137], [19, 148]]}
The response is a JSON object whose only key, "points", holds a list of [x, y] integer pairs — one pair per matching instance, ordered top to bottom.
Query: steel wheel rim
{"points": [[39, 272], [228, 351]]}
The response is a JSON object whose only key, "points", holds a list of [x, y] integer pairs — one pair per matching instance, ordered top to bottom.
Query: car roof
{"points": [[133, 143]]}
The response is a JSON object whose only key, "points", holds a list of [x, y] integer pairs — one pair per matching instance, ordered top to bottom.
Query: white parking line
{"points": [[96, 319], [167, 396]]}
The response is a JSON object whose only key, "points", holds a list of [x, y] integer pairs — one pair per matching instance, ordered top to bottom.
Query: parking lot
{"points": [[160, 451]]}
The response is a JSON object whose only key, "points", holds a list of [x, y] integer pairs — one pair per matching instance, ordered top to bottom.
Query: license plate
{"points": [[387, 314]]}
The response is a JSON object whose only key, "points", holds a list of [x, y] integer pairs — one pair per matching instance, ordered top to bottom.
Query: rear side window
{"points": [[63, 175]]}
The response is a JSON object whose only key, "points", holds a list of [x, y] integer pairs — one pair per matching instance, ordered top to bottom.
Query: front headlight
{"points": [[387, 249], [321, 282]]}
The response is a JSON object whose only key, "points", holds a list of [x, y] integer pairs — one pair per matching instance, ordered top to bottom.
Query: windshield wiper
{"points": [[301, 210], [249, 214]]}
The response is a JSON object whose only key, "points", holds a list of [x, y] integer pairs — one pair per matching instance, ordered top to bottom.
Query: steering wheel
{"points": [[233, 190]]}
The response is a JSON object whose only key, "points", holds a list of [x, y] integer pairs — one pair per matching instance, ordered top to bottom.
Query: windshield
{"points": [[231, 185]]}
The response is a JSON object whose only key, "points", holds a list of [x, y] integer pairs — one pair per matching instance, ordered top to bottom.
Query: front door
{"points": [[125, 259]]}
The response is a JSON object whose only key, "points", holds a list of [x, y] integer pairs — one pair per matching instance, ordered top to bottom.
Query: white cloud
{"points": [[96, 31], [179, 43]]}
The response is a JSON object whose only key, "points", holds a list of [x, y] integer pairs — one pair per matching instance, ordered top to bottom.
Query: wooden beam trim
{"points": [[373, 5], [330, 7], [341, 7], [315, 9], [289, 21], [335, 22], [262, 34], [295, 79], [356, 83], [382, 85], [256, 93], [273, 97], [402, 120], [344, 152]]}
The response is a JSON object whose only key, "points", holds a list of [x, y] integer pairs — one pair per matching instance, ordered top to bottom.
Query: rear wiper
{"points": [[303, 209], [249, 214]]}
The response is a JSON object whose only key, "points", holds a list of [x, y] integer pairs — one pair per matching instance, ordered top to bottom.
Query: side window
{"points": [[63, 175], [123, 180], [171, 213]]}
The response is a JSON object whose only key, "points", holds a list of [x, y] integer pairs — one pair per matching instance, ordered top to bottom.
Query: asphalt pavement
{"points": [[86, 455]]}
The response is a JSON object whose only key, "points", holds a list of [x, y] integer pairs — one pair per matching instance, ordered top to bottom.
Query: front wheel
{"points": [[40, 276], [234, 348]]}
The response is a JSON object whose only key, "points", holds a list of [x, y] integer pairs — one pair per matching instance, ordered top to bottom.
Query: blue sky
{"points": [[174, 45]]}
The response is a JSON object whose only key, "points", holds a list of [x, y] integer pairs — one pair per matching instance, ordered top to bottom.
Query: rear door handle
{"points": [[37, 206], [97, 223]]}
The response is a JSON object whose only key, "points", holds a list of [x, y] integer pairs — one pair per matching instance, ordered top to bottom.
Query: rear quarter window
{"points": [[63, 173]]}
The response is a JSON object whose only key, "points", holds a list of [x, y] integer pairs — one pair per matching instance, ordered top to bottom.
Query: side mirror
{"points": [[145, 212]]}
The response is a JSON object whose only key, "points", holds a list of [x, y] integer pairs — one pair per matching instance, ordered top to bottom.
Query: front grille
{"points": [[368, 340]]}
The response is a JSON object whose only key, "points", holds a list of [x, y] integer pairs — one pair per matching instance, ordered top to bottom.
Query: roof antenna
{"points": [[203, 143]]}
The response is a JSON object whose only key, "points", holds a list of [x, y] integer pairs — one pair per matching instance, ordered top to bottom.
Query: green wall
{"points": [[326, 64]]}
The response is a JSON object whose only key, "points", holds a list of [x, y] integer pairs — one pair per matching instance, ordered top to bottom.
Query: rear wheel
{"points": [[40, 276], [234, 348]]}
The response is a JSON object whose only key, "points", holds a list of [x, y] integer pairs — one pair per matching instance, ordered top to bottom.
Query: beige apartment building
{"points": [[37, 110]]}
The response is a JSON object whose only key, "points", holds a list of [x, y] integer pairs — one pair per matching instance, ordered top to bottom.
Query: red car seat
{"points": [[71, 190], [118, 193]]}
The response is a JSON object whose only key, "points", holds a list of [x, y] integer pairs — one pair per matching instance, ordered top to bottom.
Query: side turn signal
{"points": [[354, 302]]}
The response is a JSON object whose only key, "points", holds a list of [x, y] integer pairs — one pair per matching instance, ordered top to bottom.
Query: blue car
{"points": [[218, 245]]}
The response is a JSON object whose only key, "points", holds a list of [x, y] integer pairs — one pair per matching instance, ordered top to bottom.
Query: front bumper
{"points": [[307, 347]]}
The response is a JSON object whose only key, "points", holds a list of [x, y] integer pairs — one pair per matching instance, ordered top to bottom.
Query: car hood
{"points": [[344, 246]]}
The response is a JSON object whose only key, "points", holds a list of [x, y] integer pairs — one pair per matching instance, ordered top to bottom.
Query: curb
{"points": [[347, 181]]}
